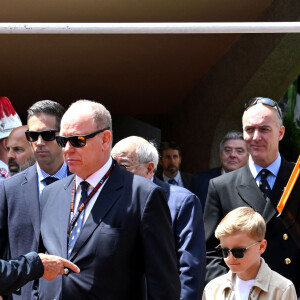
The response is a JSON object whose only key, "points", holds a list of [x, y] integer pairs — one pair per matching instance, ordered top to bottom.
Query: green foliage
{"points": [[290, 144]]}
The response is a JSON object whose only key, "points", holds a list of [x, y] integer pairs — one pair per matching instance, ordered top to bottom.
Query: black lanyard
{"points": [[86, 201]]}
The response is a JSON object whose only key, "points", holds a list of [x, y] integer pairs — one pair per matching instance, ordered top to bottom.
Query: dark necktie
{"points": [[49, 180], [172, 181], [263, 184], [79, 222]]}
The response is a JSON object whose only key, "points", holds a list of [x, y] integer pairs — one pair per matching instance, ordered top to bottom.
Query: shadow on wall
{"points": [[124, 126]]}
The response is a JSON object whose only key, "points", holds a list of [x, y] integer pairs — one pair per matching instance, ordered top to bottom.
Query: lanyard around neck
{"points": [[86, 201]]}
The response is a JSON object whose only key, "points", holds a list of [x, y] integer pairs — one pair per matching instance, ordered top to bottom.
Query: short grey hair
{"points": [[101, 116], [231, 135], [147, 152]]}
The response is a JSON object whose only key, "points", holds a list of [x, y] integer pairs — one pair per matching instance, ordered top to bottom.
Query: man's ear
{"points": [[281, 132], [106, 139], [3, 143], [150, 169]]}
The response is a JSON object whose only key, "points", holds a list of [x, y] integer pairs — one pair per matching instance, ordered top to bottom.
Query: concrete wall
{"points": [[256, 65]]}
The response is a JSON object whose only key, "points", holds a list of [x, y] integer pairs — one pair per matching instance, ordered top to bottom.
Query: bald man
{"points": [[19, 151], [140, 157]]}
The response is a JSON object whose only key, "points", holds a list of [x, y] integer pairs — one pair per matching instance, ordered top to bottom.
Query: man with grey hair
{"points": [[233, 155], [140, 157], [259, 184], [20, 194], [114, 225]]}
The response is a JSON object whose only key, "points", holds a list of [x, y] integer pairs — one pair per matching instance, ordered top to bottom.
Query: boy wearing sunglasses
{"points": [[242, 241]]}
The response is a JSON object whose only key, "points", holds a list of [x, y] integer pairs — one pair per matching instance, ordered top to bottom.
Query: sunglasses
{"points": [[265, 101], [47, 135], [77, 141], [236, 252]]}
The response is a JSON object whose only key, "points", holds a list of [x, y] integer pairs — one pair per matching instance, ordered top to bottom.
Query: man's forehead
{"points": [[235, 143], [170, 151], [123, 154]]}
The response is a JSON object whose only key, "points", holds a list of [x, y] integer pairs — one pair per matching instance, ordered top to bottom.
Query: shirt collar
{"points": [[3, 165], [273, 167], [60, 174], [95, 177], [176, 178]]}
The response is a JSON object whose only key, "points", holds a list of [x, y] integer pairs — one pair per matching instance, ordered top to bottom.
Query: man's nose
{"points": [[256, 135], [40, 140], [68, 147], [233, 153], [11, 154]]}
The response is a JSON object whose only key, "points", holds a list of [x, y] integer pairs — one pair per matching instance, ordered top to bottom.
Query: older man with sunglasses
{"points": [[259, 184], [20, 194], [116, 226]]}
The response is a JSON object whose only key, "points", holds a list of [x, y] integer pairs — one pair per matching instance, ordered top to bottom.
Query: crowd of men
{"points": [[133, 232]]}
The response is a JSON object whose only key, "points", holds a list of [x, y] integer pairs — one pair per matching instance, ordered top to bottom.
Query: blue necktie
{"points": [[48, 180], [172, 181], [263, 184], [79, 222]]}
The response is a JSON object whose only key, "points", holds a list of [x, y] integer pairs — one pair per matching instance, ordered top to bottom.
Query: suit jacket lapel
{"points": [[280, 182], [163, 185], [249, 191], [110, 193], [31, 194], [64, 215]]}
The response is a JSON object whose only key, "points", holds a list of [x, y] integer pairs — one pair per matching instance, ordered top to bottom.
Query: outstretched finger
{"points": [[70, 265]]}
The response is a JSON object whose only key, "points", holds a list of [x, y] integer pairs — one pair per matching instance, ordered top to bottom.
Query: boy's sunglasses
{"points": [[265, 101], [47, 135], [77, 140], [236, 252]]}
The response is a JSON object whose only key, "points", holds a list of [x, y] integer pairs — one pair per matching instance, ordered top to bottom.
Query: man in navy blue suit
{"points": [[233, 155], [140, 157], [114, 225]]}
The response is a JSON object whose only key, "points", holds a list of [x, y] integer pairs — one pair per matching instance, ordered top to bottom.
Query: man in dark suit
{"points": [[233, 155], [140, 157], [170, 160], [259, 184], [19, 195], [114, 225], [17, 272]]}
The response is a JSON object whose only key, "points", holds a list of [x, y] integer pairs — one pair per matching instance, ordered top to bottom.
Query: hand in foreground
{"points": [[55, 265]]}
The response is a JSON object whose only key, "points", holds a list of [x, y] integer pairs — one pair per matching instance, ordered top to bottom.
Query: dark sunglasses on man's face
{"points": [[265, 101], [47, 135], [77, 140], [236, 252]]}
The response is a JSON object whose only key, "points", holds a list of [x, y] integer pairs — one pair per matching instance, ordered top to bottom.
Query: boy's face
{"points": [[247, 267]]}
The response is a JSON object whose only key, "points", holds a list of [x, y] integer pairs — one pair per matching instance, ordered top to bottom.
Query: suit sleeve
{"points": [[197, 184], [212, 216], [3, 221], [190, 241], [17, 272], [162, 279]]}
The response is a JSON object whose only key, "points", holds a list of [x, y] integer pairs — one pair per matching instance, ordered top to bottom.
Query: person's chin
{"points": [[173, 170], [234, 267]]}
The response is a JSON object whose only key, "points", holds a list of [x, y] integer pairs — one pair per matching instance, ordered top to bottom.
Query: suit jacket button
{"points": [[285, 236], [287, 261]]}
